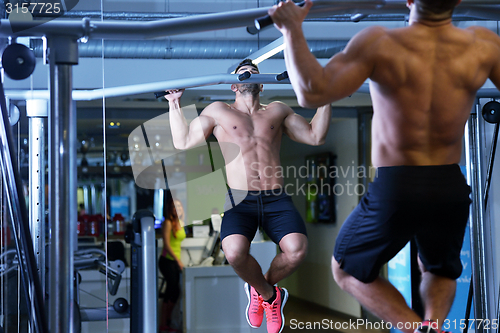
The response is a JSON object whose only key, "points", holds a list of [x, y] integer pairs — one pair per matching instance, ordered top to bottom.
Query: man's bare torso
{"points": [[423, 87], [258, 137]]}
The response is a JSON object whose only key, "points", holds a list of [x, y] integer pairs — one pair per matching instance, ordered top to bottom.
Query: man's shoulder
{"points": [[375, 31], [482, 32], [370, 37], [485, 38], [277, 105], [215, 108]]}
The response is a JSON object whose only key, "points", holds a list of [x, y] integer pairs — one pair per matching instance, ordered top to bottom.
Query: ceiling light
{"points": [[264, 53], [270, 53]]}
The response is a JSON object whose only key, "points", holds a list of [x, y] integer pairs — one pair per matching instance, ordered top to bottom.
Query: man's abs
{"points": [[256, 169]]}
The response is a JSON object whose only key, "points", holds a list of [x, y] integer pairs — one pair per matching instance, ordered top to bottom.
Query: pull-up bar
{"points": [[168, 27], [155, 29], [199, 81]]}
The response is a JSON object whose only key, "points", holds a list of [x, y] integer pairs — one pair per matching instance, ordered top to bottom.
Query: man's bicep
{"points": [[490, 44], [495, 70], [347, 74], [200, 128], [297, 128]]}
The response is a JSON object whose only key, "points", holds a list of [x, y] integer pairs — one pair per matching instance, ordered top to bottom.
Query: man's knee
{"points": [[295, 248], [235, 249], [298, 255], [235, 256]]}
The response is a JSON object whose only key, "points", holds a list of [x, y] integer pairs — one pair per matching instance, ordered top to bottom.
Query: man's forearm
{"points": [[321, 123], [178, 125]]}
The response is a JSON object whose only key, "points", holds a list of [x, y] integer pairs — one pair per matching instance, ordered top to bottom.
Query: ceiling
{"points": [[135, 62]]}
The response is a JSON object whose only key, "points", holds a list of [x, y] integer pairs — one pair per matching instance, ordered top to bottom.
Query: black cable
{"points": [[490, 165], [486, 196]]}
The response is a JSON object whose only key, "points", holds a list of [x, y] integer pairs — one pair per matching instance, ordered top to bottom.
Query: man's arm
{"points": [[494, 39], [314, 84], [313, 133], [187, 136]]}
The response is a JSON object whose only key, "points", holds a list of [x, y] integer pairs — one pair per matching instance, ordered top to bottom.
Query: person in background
{"points": [[81, 210], [170, 263]]}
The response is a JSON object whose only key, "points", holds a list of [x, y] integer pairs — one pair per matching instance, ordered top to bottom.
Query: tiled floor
{"points": [[300, 315]]}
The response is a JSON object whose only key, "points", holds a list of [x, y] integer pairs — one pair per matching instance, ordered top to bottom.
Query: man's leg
{"points": [[294, 250], [237, 251], [438, 293], [379, 297]]}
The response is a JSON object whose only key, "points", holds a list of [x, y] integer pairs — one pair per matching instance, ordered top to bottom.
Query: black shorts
{"points": [[427, 203], [245, 211]]}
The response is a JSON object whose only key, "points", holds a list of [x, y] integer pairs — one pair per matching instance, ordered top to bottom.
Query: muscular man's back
{"points": [[423, 86]]}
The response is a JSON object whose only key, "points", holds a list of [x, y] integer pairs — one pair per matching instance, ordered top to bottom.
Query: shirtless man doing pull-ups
{"points": [[257, 130]]}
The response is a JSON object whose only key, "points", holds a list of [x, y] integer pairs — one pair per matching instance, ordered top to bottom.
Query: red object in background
{"points": [[119, 221], [100, 223], [82, 225], [93, 226]]}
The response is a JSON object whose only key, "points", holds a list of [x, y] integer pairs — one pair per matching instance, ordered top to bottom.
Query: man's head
{"points": [[434, 9], [245, 63], [253, 89]]}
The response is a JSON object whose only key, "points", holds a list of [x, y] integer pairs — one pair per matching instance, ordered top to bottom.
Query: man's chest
{"points": [[260, 124]]}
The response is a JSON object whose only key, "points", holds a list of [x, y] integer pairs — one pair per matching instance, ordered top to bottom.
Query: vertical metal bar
{"points": [[37, 112], [474, 176], [63, 186], [133, 197], [93, 200], [86, 202], [20, 220], [149, 275], [143, 304]]}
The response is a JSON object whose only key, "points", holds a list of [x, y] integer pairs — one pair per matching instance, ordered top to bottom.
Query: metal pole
{"points": [[216, 21], [176, 26], [198, 81], [37, 112], [474, 176], [62, 183], [93, 200], [86, 202], [20, 221], [149, 276]]}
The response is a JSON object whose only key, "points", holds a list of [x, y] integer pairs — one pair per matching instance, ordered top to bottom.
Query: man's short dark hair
{"points": [[435, 7], [246, 62]]}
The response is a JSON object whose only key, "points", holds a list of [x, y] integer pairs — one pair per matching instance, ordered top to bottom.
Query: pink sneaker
{"points": [[254, 311], [274, 311]]}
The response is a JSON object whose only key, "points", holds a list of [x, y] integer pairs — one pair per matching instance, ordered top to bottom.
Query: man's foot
{"points": [[254, 311], [274, 311], [428, 326]]}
